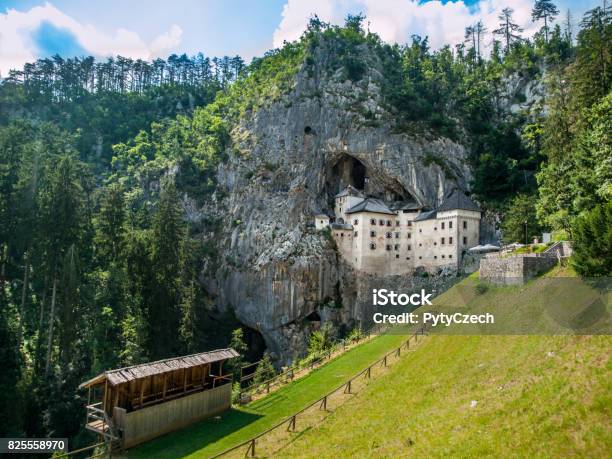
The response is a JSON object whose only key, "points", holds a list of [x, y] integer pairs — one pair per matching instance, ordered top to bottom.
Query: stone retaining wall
{"points": [[516, 269]]}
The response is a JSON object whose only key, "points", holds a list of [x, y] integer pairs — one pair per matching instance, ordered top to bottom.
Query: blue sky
{"points": [[30, 29]]}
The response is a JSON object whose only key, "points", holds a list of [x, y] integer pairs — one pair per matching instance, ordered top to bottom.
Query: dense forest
{"points": [[99, 267]]}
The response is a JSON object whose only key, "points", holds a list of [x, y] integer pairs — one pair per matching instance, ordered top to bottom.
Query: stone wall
{"points": [[514, 270]]}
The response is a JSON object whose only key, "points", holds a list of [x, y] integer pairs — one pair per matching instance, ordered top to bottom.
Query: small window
{"points": [[340, 208], [355, 222], [372, 222], [381, 222], [388, 222], [397, 223], [409, 223], [464, 224], [442, 225], [450, 225], [435, 228], [420, 230], [372, 233], [337, 234], [341, 234], [356, 234], [388, 235], [397, 235], [409, 235], [450, 240], [464, 240], [442, 241], [435, 243], [420, 245], [372, 246], [388, 247], [397, 247], [409, 247], [397, 256], [442, 256], [450, 256], [435, 257], [407, 258], [420, 258]]}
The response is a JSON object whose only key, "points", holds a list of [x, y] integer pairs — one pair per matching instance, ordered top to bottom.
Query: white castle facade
{"points": [[399, 237]]}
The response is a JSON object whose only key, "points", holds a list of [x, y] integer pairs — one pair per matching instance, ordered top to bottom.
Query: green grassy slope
{"points": [[468, 396], [237, 425]]}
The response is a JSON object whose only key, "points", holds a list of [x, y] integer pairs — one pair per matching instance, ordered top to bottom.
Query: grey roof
{"points": [[350, 190], [458, 200], [370, 205], [405, 205], [428, 215], [322, 216], [341, 226], [143, 370]]}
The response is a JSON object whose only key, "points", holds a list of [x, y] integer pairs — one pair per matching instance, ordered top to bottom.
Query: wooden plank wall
{"points": [[147, 423]]}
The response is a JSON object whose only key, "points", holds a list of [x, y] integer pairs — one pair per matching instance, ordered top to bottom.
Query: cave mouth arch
{"points": [[347, 170]]}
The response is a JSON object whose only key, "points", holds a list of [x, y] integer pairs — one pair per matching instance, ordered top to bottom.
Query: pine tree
{"points": [[544, 9], [508, 30], [592, 242], [265, 370]]}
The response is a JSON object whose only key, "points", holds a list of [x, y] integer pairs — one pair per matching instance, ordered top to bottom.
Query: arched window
{"points": [[373, 221], [355, 222], [381, 222], [388, 222], [372, 233], [388, 235], [372, 246], [388, 247]]}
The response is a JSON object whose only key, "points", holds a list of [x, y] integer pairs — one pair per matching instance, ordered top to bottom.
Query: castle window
{"points": [[340, 208], [355, 222], [372, 222], [381, 222], [388, 222], [397, 223], [409, 223], [464, 224], [442, 225], [450, 225], [435, 228], [420, 230], [372, 233], [341, 234], [356, 234], [388, 235], [397, 235], [409, 235], [450, 240], [464, 240], [442, 241], [435, 243], [420, 245], [372, 246], [397, 246], [388, 247], [409, 247], [396, 256], [442, 256], [450, 256], [435, 257], [407, 258], [420, 258]]}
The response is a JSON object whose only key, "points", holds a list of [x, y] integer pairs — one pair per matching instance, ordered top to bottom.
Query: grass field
{"points": [[470, 396], [209, 437]]}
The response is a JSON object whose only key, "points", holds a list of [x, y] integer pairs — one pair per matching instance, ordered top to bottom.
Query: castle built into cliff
{"points": [[400, 237]]}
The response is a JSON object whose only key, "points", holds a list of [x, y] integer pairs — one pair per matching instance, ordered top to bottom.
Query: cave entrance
{"points": [[347, 171], [255, 342]]}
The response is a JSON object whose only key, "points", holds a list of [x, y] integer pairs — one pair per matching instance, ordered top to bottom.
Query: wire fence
{"points": [[303, 366], [270, 441]]}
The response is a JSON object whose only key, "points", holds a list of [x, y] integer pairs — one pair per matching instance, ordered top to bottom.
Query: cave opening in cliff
{"points": [[346, 171], [313, 317], [255, 342]]}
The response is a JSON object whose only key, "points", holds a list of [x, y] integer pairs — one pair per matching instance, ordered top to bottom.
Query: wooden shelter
{"points": [[144, 401]]}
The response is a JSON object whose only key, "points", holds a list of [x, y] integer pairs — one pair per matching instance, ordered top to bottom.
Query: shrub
{"points": [[592, 241], [481, 289], [320, 340], [264, 370]]}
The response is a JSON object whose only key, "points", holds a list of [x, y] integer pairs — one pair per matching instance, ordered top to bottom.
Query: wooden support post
{"points": [[399, 351], [385, 361], [221, 367], [369, 372], [184, 379], [142, 385], [165, 385], [268, 387], [347, 389], [105, 394], [323, 405], [291, 426], [251, 450]]}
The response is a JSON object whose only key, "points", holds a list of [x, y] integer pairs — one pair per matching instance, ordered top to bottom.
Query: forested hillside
{"points": [[104, 167]]}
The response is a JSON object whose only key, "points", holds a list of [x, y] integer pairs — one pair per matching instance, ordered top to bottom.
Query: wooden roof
{"points": [[144, 370]]}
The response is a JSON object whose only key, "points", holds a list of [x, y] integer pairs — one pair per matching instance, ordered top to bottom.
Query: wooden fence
{"points": [[273, 439]]}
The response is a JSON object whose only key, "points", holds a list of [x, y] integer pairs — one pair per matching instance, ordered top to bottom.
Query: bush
{"points": [[592, 242], [481, 289], [320, 340], [264, 370]]}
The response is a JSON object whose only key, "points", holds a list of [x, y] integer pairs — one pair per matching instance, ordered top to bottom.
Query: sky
{"points": [[146, 29]]}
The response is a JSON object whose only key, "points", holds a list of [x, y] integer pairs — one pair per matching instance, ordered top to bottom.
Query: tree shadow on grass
{"points": [[196, 436]]}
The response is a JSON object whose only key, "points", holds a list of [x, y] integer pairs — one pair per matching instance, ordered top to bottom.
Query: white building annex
{"points": [[400, 237]]}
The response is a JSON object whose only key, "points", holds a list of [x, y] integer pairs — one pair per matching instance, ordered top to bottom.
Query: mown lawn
{"points": [[472, 396], [209, 437]]}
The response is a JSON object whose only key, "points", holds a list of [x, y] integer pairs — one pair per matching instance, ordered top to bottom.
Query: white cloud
{"points": [[397, 20], [17, 48]]}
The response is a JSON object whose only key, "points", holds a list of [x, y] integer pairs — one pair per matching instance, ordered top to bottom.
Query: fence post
{"points": [[399, 351], [385, 361], [368, 375], [268, 387], [347, 389], [323, 405], [291, 426], [251, 450]]}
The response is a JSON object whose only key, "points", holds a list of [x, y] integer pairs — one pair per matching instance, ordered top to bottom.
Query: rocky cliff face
{"points": [[288, 160]]}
